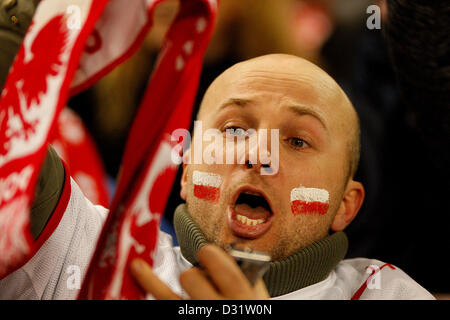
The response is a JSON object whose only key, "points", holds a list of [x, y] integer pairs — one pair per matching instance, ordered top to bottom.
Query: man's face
{"points": [[309, 111]]}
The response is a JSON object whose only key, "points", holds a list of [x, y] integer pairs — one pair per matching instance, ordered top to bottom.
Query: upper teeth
{"points": [[248, 221]]}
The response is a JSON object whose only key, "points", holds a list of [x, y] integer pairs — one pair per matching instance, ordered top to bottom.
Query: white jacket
{"points": [[58, 267]]}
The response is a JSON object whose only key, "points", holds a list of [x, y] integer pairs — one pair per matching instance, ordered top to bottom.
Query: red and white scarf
{"points": [[68, 47], [76, 147]]}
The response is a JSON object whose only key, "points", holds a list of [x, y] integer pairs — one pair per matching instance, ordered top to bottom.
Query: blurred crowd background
{"points": [[399, 222]]}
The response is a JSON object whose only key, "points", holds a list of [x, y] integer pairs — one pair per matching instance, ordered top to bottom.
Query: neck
{"points": [[308, 266]]}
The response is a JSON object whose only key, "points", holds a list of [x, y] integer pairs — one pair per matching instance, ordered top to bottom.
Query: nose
{"points": [[257, 155], [260, 166]]}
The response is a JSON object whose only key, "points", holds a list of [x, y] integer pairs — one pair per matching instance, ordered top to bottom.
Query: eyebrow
{"points": [[235, 102], [299, 110], [304, 110]]}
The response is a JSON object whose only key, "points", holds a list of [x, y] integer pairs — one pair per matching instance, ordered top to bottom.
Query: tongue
{"points": [[250, 212]]}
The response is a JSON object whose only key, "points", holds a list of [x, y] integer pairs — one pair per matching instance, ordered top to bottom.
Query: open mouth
{"points": [[250, 214]]}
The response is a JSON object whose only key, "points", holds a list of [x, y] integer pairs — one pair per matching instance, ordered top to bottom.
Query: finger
{"points": [[225, 272], [145, 277], [198, 285], [260, 290]]}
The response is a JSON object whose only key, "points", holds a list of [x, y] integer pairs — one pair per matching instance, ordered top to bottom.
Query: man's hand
{"points": [[220, 279]]}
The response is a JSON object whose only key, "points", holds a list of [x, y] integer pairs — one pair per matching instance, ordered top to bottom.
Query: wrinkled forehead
{"points": [[292, 79]]}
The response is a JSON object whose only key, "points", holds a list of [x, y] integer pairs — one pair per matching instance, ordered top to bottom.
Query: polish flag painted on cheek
{"points": [[207, 186], [309, 200]]}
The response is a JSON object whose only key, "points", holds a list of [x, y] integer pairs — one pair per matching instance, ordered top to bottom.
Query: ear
{"points": [[183, 182], [350, 205]]}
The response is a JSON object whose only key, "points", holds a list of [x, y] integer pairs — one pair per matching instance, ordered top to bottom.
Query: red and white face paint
{"points": [[207, 185], [309, 200]]}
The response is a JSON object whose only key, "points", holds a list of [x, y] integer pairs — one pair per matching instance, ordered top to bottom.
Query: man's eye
{"points": [[298, 143]]}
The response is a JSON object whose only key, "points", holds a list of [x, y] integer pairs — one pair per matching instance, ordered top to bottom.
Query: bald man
{"points": [[288, 196], [293, 206]]}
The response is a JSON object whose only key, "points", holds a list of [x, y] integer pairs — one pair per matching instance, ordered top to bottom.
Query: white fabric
{"points": [[350, 274], [46, 275], [342, 283]]}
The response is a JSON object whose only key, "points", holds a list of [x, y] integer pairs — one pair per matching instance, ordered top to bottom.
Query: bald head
{"points": [[314, 87]]}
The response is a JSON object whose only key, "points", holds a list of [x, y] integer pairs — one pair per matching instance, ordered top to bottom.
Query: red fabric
{"points": [[118, 60], [35, 92], [74, 144], [147, 172], [58, 213], [54, 220], [132, 225], [363, 288]]}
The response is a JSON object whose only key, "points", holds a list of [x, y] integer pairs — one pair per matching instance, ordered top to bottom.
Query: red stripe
{"points": [[93, 79], [206, 193], [304, 207], [57, 214], [53, 223], [361, 290]]}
